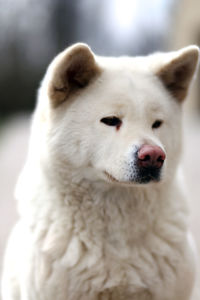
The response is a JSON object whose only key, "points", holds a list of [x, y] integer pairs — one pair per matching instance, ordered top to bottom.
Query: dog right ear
{"points": [[70, 71], [177, 72]]}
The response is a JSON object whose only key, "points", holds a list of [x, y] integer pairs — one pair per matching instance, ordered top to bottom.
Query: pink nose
{"points": [[151, 156]]}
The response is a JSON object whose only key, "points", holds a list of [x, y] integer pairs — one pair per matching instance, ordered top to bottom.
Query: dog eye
{"points": [[112, 121], [157, 124]]}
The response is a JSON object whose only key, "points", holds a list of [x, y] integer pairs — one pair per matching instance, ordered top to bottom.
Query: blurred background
{"points": [[33, 32]]}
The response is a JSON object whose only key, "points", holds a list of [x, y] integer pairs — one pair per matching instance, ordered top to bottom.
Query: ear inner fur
{"points": [[74, 70], [177, 74]]}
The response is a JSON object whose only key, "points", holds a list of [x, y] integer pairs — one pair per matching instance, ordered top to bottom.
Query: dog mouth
{"points": [[140, 176]]}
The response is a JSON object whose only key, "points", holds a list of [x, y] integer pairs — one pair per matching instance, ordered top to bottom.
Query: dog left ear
{"points": [[70, 71], [177, 73]]}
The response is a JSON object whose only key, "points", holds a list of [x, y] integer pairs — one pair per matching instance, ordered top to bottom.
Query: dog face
{"points": [[116, 119]]}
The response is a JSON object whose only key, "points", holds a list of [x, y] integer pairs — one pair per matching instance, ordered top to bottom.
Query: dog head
{"points": [[116, 119]]}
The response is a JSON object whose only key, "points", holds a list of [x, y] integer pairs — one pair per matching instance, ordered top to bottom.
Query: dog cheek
{"points": [[127, 169]]}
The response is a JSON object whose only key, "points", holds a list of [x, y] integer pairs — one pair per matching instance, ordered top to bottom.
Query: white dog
{"points": [[102, 208]]}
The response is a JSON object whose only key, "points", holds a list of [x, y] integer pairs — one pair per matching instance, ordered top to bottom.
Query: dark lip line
{"points": [[112, 178]]}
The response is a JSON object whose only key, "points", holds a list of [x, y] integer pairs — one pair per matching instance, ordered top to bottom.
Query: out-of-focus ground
{"points": [[13, 149]]}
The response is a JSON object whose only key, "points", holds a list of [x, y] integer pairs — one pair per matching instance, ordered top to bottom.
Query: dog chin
{"points": [[147, 175]]}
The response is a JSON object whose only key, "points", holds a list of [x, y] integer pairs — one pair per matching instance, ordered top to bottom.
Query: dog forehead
{"points": [[128, 87]]}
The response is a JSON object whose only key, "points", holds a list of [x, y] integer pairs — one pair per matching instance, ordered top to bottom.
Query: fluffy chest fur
{"points": [[117, 243]]}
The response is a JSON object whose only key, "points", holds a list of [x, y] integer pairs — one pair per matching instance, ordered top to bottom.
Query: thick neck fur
{"points": [[103, 211]]}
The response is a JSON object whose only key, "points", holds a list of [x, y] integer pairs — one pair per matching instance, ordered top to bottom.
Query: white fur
{"points": [[82, 236]]}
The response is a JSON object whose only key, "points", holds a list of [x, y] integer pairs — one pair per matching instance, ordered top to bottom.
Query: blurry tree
{"points": [[63, 22], [31, 34]]}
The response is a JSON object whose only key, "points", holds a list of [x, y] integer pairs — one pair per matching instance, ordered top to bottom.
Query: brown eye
{"points": [[112, 121], [157, 124]]}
